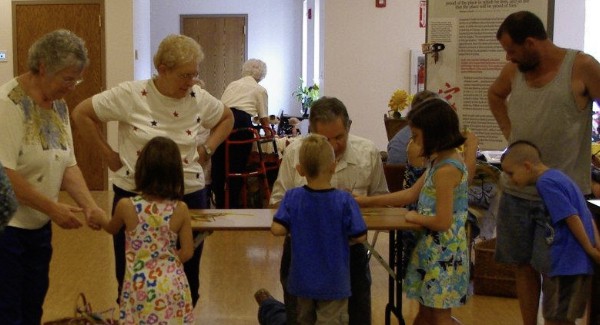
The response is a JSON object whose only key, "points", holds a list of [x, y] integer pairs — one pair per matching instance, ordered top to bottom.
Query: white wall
{"points": [[569, 23], [274, 36], [366, 57]]}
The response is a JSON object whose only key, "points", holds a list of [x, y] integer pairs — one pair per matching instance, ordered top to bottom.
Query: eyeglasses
{"points": [[188, 76], [72, 83]]}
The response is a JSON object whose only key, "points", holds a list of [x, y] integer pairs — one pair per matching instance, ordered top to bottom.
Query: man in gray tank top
{"points": [[551, 92]]}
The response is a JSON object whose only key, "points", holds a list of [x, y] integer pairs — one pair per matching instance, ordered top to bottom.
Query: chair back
{"points": [[394, 176]]}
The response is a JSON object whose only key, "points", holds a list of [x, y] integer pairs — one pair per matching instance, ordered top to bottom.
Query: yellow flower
{"points": [[400, 100]]}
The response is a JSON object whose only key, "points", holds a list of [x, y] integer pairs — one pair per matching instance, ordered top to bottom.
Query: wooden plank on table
{"points": [[260, 219]]}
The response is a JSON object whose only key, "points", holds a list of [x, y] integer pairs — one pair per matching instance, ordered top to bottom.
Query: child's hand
{"points": [[471, 139], [362, 200], [411, 216], [95, 218], [595, 255]]}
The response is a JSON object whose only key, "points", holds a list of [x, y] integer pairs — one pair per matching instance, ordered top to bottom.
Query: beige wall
{"points": [[366, 57]]}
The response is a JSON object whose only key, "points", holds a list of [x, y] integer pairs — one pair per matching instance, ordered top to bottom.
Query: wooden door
{"points": [[85, 18], [223, 40]]}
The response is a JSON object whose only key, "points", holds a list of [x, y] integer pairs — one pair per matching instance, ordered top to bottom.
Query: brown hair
{"points": [[439, 123], [159, 170]]}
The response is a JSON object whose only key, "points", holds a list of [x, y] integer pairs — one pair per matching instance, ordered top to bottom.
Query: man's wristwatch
{"points": [[207, 149]]}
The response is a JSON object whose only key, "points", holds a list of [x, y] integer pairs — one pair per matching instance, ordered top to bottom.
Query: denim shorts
{"points": [[524, 233]]}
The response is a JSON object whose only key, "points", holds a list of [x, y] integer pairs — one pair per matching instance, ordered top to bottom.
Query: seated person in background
{"points": [[246, 98], [321, 220], [571, 235]]}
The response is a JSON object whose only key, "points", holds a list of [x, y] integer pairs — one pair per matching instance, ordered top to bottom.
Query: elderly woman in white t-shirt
{"points": [[171, 104]]}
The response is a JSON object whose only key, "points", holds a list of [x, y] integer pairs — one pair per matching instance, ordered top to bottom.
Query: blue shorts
{"points": [[524, 233]]}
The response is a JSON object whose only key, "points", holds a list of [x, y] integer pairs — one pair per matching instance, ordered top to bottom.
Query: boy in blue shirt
{"points": [[322, 221], [570, 233]]}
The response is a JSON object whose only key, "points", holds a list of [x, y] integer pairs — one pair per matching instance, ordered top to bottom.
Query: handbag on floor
{"points": [[84, 315]]}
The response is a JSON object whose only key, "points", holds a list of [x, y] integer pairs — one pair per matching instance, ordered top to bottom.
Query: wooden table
{"points": [[388, 219]]}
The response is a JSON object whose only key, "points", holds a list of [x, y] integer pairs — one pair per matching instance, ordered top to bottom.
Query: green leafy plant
{"points": [[306, 95]]}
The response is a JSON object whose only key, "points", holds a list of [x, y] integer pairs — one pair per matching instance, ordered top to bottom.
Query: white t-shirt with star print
{"points": [[143, 113]]}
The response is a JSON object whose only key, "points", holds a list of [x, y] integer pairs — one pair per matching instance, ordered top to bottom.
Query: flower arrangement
{"points": [[306, 95], [399, 101]]}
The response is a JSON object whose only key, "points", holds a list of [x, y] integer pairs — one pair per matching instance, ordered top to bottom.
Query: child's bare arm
{"points": [[470, 153], [399, 198], [114, 224], [576, 226], [278, 229], [596, 234], [186, 241]]}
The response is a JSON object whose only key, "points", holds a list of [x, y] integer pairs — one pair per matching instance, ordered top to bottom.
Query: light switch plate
{"points": [[3, 57]]}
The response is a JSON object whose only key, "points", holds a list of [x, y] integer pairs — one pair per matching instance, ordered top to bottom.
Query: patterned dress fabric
{"points": [[438, 272], [155, 288]]}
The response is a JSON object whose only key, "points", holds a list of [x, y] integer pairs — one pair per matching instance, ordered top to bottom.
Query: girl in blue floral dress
{"points": [[438, 270], [155, 288]]}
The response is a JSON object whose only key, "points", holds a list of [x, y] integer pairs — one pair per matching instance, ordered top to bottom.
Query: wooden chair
{"points": [[393, 125]]}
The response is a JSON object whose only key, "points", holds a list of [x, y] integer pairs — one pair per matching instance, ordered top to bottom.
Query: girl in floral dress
{"points": [[438, 270], [155, 288]]}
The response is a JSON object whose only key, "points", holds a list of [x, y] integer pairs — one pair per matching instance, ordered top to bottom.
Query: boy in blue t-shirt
{"points": [[322, 222], [570, 233]]}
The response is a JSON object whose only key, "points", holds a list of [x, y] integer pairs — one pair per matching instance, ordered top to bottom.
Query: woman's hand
{"points": [[114, 161], [64, 216]]}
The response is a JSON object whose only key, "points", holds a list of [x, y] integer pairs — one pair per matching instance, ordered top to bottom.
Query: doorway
{"points": [[31, 20], [223, 40]]}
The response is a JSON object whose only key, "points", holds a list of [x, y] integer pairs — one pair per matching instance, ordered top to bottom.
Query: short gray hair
{"points": [[57, 50], [255, 68], [327, 110]]}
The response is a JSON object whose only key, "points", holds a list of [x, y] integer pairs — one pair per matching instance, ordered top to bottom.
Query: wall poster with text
{"points": [[472, 58]]}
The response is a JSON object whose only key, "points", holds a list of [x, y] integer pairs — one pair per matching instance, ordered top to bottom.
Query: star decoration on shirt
{"points": [[144, 92], [193, 94], [175, 114], [198, 119], [154, 123], [135, 128], [188, 132], [138, 153], [185, 161], [127, 172], [197, 175]]}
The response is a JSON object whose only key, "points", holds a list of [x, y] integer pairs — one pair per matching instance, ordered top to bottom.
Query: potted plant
{"points": [[306, 96]]}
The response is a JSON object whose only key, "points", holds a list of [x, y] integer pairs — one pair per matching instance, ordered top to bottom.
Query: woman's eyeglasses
{"points": [[188, 76], [72, 83]]}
